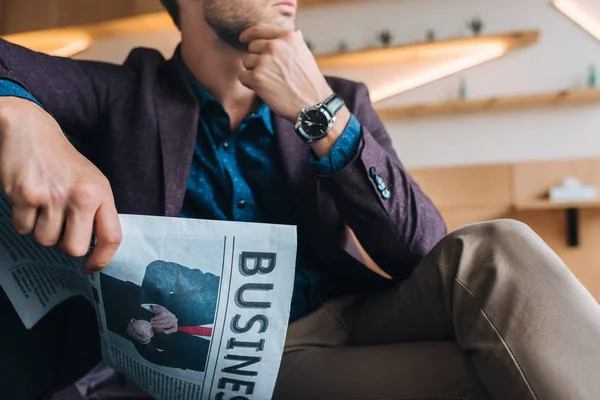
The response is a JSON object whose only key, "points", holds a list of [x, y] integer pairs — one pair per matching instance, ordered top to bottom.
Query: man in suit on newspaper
{"points": [[169, 318]]}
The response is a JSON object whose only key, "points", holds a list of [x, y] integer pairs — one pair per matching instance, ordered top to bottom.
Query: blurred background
{"points": [[493, 105]]}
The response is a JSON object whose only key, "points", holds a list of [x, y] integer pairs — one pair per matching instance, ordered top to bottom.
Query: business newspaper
{"points": [[187, 309]]}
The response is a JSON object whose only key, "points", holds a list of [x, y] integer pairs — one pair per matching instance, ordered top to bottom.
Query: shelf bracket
{"points": [[573, 227]]}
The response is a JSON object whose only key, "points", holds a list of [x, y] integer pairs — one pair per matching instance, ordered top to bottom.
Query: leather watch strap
{"points": [[334, 103]]}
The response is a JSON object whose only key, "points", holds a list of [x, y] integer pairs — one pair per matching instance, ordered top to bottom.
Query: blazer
{"points": [[138, 123], [188, 293], [176, 350]]}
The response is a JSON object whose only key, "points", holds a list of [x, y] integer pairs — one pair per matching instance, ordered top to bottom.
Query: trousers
{"points": [[490, 313]]}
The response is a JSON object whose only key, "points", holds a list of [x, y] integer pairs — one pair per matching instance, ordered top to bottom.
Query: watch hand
{"points": [[309, 123]]}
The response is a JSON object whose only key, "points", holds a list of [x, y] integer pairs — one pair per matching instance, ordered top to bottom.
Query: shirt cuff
{"points": [[10, 88], [343, 152]]}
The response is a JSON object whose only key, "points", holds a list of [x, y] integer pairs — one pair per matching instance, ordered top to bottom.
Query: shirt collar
{"points": [[263, 112]]}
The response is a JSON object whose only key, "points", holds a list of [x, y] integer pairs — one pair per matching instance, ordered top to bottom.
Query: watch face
{"points": [[315, 123]]}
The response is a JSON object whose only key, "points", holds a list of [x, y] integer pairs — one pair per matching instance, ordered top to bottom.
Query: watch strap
{"points": [[334, 104]]}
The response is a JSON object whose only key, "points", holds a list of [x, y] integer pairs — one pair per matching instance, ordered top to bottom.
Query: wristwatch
{"points": [[314, 123]]}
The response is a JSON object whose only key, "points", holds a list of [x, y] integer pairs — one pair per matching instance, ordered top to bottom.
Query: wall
{"points": [[561, 60]]}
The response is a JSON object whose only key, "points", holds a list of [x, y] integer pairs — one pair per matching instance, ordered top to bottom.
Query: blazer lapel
{"points": [[177, 113]]}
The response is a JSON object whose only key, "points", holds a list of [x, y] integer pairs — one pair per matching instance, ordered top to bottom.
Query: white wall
{"points": [[560, 60]]}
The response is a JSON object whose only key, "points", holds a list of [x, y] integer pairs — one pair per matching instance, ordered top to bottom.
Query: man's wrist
{"points": [[319, 96], [8, 110], [11, 110], [322, 148]]}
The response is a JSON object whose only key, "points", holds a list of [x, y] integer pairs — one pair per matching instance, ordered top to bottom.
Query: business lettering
{"points": [[240, 375]]}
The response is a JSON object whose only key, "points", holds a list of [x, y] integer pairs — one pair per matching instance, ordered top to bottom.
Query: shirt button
{"points": [[225, 145], [241, 204]]}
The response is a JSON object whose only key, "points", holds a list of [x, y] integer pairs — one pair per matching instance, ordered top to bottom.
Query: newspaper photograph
{"points": [[194, 309]]}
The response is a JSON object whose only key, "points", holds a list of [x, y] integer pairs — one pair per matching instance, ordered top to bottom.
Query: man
{"points": [[488, 312], [167, 319]]}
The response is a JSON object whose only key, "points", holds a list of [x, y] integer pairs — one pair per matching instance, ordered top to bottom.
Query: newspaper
{"points": [[187, 309]]}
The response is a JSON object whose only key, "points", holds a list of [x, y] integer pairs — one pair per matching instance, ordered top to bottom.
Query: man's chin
{"points": [[287, 22], [232, 39]]}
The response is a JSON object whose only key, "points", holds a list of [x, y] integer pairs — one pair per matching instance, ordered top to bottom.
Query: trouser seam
{"points": [[512, 356]]}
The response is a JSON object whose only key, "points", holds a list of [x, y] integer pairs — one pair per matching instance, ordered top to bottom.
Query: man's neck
{"points": [[217, 66]]}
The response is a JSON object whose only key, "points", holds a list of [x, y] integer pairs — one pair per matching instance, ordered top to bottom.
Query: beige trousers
{"points": [[490, 313]]}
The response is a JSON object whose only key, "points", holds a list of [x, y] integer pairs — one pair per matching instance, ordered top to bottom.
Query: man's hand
{"points": [[282, 71], [56, 193], [164, 321], [140, 330]]}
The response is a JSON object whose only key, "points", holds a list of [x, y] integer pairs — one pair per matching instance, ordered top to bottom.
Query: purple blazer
{"points": [[138, 123]]}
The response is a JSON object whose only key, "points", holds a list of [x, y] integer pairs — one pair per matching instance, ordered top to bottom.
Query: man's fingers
{"points": [[263, 31], [258, 46], [251, 61], [248, 78], [23, 218], [49, 226], [78, 233], [108, 235], [158, 309], [160, 319], [163, 324], [171, 330]]}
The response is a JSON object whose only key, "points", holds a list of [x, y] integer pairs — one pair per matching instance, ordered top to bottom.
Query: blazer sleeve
{"points": [[75, 93], [394, 221]]}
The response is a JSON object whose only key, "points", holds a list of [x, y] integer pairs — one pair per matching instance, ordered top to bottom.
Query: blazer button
{"points": [[373, 172], [381, 187], [386, 194], [241, 204]]}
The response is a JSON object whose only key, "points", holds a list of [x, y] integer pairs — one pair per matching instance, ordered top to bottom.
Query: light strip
{"points": [[579, 15], [67, 42], [62, 43], [446, 68]]}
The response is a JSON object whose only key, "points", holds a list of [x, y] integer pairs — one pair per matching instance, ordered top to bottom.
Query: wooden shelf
{"points": [[382, 57], [459, 107], [551, 205], [571, 210]]}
